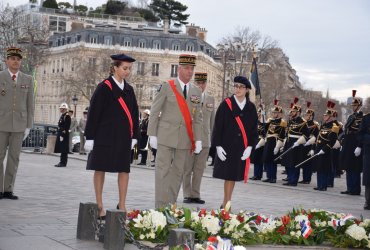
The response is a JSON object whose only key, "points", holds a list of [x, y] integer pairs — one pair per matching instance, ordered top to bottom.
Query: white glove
{"points": [[26, 133], [61, 138], [301, 140], [310, 141], [153, 142], [133, 143], [261, 143], [296, 144], [89, 145], [336, 145], [198, 147], [276, 150], [357, 151], [321, 152], [221, 153], [246, 153], [311, 153]]}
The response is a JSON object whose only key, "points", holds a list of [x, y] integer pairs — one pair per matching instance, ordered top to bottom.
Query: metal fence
{"points": [[36, 140]]}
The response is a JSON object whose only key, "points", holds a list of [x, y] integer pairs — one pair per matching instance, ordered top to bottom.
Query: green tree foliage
{"points": [[52, 4], [64, 5], [114, 7], [81, 8], [170, 9], [147, 14]]}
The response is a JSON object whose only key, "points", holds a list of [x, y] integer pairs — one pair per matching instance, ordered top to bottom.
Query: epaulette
{"points": [[283, 123], [335, 129]]}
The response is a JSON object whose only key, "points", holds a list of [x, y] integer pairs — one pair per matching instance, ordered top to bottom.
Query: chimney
{"points": [[166, 26]]}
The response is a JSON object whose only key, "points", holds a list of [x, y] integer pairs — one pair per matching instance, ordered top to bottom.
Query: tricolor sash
{"points": [[124, 107], [185, 113], [245, 139]]}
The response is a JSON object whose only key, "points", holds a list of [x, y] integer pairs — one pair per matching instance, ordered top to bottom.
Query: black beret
{"points": [[122, 57], [243, 80]]}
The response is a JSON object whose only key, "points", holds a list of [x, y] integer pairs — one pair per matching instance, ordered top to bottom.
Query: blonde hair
{"points": [[114, 63]]}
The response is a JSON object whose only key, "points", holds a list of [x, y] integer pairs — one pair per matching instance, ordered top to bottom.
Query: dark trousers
{"points": [[144, 156], [64, 158], [271, 169], [258, 170], [307, 172], [293, 175], [331, 175], [322, 178], [353, 178], [367, 196]]}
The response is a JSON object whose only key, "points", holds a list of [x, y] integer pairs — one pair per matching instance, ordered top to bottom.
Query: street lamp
{"points": [[74, 101]]}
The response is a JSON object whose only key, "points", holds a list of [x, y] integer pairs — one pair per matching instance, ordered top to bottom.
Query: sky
{"points": [[327, 42]]}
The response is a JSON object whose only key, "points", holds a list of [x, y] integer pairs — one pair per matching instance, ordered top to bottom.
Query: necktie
{"points": [[13, 77], [184, 91]]}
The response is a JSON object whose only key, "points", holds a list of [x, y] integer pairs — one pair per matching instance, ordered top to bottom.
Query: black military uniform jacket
{"points": [[64, 124], [297, 127], [313, 128], [275, 131], [326, 139], [364, 139], [143, 140], [257, 154], [348, 160]]}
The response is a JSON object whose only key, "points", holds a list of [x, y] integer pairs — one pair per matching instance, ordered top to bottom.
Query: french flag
{"points": [[342, 222], [306, 229]]}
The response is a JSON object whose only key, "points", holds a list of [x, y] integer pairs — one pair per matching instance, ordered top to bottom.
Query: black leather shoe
{"points": [[70, 153], [142, 164], [60, 165], [255, 178], [285, 179], [266, 180], [273, 181], [304, 182], [286, 184], [330, 186], [316, 188], [345, 192], [350, 193], [1, 195], [10, 195], [188, 200], [198, 200]]}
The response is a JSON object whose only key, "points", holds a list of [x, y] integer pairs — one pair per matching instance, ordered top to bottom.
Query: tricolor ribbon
{"points": [[306, 229]]}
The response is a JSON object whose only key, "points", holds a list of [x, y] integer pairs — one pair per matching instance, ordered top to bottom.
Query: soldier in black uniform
{"points": [[313, 128], [298, 134], [328, 134], [275, 136], [364, 139], [143, 141], [62, 142], [335, 152], [257, 154], [350, 159]]}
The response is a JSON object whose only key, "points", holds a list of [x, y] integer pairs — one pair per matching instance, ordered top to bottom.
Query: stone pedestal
{"points": [[50, 144], [85, 224], [114, 234], [181, 236]]}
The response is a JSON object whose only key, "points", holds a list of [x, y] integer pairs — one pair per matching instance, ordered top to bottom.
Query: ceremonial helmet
{"points": [[356, 100], [63, 106], [294, 106], [277, 108], [309, 110], [147, 111], [330, 111]]}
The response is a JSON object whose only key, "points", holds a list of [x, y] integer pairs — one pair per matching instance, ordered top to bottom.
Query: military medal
{"points": [[3, 92]]}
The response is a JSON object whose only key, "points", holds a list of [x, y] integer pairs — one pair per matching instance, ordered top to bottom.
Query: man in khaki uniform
{"points": [[16, 118], [81, 129], [72, 130], [170, 130], [196, 164]]}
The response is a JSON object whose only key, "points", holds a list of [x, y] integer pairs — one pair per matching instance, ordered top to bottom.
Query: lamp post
{"points": [[74, 101]]}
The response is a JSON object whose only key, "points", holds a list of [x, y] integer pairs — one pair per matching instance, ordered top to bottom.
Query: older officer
{"points": [[16, 118], [81, 129], [176, 133], [364, 139], [62, 142], [350, 159], [195, 165]]}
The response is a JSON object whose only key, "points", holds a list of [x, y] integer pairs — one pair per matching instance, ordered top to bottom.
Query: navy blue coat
{"points": [[64, 124], [108, 125], [364, 139]]}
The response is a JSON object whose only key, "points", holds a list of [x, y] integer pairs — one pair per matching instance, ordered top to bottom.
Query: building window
{"points": [[78, 38], [93, 39], [108, 40], [127, 42], [141, 43], [156, 44], [176, 46], [189, 47], [92, 62], [140, 68], [155, 69], [174, 70]]}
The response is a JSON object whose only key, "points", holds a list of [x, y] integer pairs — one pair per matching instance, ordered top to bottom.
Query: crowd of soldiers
{"points": [[303, 143]]}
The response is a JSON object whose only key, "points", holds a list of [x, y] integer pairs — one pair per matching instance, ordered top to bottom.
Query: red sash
{"points": [[124, 107], [185, 113], [245, 139]]}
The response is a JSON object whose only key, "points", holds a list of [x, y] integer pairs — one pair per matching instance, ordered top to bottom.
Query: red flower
{"points": [[202, 212], [213, 213], [133, 214], [225, 215], [310, 216], [240, 218], [258, 219], [285, 219], [281, 230], [212, 239]]}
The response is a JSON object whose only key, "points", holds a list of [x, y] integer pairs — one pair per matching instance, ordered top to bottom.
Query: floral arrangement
{"points": [[217, 228]]}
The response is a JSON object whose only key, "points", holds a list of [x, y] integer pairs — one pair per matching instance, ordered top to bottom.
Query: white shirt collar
{"points": [[16, 74], [182, 84], [120, 85], [240, 104]]}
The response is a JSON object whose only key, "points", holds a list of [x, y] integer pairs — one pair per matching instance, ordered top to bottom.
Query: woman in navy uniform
{"points": [[112, 130], [227, 136], [364, 138], [326, 139], [62, 142]]}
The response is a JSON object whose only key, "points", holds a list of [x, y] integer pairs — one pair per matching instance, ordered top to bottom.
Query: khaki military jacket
{"points": [[16, 102], [208, 111], [166, 120]]}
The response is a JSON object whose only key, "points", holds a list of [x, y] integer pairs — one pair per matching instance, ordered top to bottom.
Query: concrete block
{"points": [[87, 215], [114, 234], [181, 236]]}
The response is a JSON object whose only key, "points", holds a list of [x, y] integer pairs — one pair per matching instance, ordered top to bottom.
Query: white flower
{"points": [[194, 217], [300, 218], [158, 220], [210, 223], [365, 223], [323, 224], [356, 232], [292, 233], [142, 236], [199, 247], [239, 248]]}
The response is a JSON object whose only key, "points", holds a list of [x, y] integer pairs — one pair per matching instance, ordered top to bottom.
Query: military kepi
{"points": [[14, 51], [122, 57], [185, 59], [200, 77], [243, 80]]}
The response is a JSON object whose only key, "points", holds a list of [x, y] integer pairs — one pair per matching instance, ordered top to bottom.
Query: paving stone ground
{"points": [[45, 216]]}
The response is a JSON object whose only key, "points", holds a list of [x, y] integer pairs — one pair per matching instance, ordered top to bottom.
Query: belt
{"points": [[272, 135], [294, 136]]}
